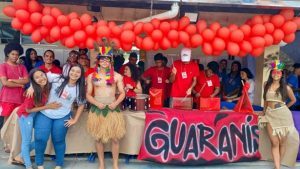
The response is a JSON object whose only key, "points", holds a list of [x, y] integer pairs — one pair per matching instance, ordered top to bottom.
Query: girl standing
{"points": [[131, 81], [65, 90], [26, 112], [278, 118]]}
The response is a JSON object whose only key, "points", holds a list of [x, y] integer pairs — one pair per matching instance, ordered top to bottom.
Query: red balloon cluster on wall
{"points": [[49, 23]]}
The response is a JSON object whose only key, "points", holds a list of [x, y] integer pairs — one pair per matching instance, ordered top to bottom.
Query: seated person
{"points": [[247, 78], [131, 81], [293, 82], [208, 83], [231, 83]]}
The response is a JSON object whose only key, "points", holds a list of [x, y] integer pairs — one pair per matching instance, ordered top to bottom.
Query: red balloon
{"points": [[20, 4], [34, 6], [47, 10], [9, 11], [55, 12], [288, 14], [23, 15], [73, 15], [36, 18], [266, 18], [257, 19], [63, 20], [86, 20], [277, 20], [48, 21], [297, 21], [155, 22], [184, 22], [248, 22], [101, 23], [75, 24], [111, 24], [174, 24], [128, 26], [201, 26], [215, 26], [165, 27], [233, 27], [269, 27], [289, 27], [27, 28], [138, 28], [148, 28], [191, 29], [246, 29], [90, 30], [258, 30], [44, 31], [65, 31], [103, 31], [116, 31], [55, 33], [223, 33], [157, 35], [173, 35], [208, 35], [278, 35], [36, 36], [79, 36], [127, 36], [237, 36], [184, 37], [289, 38], [49, 39], [269, 39], [196, 40], [70, 42], [138, 42], [257, 42], [147, 44], [165, 44], [175, 44], [188, 44], [218, 44], [81, 45], [246, 46], [126, 47], [156, 47], [233, 48], [207, 49], [257, 52], [217, 53], [242, 53]]}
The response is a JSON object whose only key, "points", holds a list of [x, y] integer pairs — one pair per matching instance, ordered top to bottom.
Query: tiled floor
{"points": [[82, 163]]}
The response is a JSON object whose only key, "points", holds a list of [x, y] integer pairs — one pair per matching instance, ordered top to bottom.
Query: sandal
{"points": [[17, 162]]}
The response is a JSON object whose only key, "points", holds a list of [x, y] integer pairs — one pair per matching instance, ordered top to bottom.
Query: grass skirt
{"points": [[104, 129]]}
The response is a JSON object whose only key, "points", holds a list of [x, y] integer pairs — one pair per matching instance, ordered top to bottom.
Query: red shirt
{"points": [[54, 69], [89, 71], [158, 77], [183, 78], [128, 80], [210, 84], [29, 104]]}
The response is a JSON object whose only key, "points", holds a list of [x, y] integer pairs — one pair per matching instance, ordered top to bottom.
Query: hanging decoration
{"points": [[50, 24]]}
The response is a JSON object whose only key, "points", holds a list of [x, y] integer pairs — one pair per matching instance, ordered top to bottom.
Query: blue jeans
{"points": [[26, 126], [42, 129]]}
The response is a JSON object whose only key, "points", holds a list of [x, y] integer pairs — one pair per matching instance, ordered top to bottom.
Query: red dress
{"points": [[130, 81]]}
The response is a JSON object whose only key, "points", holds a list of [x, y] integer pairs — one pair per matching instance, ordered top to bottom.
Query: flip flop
{"points": [[15, 162]]}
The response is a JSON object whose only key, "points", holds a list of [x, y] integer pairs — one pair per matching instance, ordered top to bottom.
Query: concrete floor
{"points": [[82, 163]]}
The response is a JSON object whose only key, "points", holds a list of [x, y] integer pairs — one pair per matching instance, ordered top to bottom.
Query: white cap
{"points": [[186, 54]]}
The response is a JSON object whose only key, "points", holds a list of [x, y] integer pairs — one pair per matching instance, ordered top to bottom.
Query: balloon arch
{"points": [[50, 24]]}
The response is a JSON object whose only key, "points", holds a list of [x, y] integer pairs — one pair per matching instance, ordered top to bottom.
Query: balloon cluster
{"points": [[49, 23]]}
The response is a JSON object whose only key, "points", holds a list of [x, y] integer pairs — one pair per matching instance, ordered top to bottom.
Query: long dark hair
{"points": [[28, 62], [134, 72], [80, 84], [282, 88], [39, 92]]}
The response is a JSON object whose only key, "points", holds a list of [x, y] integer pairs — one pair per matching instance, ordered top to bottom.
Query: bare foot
{"points": [[101, 166], [115, 166]]}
